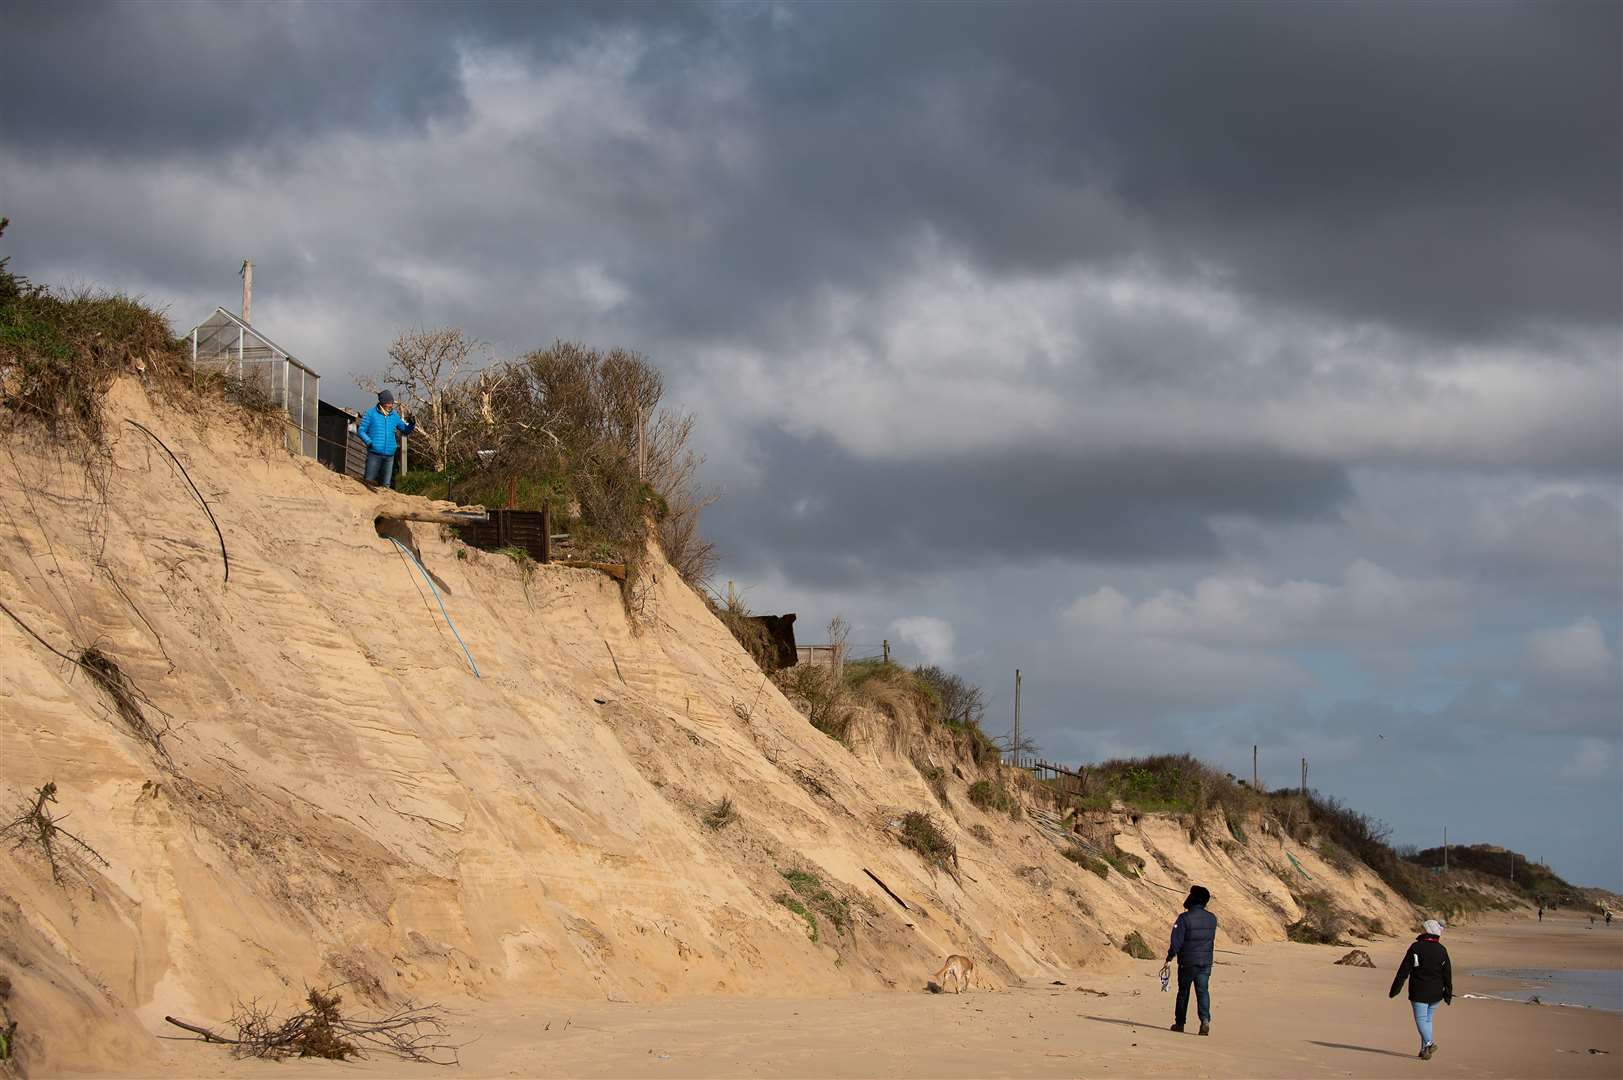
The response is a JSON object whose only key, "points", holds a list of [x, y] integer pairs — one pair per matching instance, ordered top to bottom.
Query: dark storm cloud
{"points": [[1448, 167], [827, 518]]}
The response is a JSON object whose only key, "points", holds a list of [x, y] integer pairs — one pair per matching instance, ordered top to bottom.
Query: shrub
{"points": [[992, 795], [720, 814], [923, 835], [1322, 923], [1136, 947]]}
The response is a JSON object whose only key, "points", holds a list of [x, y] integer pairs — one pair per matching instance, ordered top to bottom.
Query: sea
{"points": [[1553, 986]]}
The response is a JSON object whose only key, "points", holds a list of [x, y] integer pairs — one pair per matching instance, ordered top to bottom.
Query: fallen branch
{"points": [[36, 823], [887, 889], [411, 1033]]}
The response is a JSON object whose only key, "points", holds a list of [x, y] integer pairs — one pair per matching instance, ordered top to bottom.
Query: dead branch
{"points": [[36, 824], [410, 1033]]}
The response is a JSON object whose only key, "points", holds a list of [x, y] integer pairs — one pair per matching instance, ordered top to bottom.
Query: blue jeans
{"points": [[380, 469], [1200, 977], [1422, 1019]]}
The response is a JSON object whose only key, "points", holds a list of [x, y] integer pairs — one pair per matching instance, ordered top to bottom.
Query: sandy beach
{"points": [[1280, 1010]]}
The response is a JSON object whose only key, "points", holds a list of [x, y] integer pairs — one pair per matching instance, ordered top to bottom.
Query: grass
{"points": [[935, 776], [992, 795], [720, 814], [923, 835], [1088, 862], [1124, 863], [815, 898], [798, 908], [1136, 947]]}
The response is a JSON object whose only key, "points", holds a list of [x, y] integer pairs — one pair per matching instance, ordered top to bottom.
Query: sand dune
{"points": [[343, 801]]}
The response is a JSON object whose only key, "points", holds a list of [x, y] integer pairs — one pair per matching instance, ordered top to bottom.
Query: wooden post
{"points": [[247, 274], [642, 445], [512, 492], [546, 530], [887, 650], [1016, 747], [1304, 778], [1255, 786], [1445, 849]]}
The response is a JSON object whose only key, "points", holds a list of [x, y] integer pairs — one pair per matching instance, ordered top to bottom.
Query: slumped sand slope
{"points": [[343, 801]]}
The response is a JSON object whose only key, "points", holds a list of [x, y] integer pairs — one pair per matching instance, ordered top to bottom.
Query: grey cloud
{"points": [[1447, 167], [828, 517]]}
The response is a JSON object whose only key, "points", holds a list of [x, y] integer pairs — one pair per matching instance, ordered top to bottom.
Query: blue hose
{"points": [[436, 593]]}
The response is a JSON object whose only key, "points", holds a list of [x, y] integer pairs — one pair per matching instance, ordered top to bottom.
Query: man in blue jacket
{"points": [[378, 430], [1192, 938]]}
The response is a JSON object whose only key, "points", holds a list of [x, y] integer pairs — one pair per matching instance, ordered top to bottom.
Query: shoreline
{"points": [[1279, 1010]]}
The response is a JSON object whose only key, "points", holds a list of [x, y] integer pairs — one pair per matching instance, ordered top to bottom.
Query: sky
{"points": [[1243, 374]]}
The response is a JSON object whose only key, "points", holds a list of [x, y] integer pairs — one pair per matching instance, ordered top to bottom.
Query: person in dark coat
{"points": [[1192, 938], [1431, 980]]}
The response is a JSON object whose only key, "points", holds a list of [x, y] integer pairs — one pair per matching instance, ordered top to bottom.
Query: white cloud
{"points": [[1370, 607], [931, 638], [1575, 657], [1594, 758]]}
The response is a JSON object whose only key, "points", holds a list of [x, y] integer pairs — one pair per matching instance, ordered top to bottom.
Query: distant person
{"points": [[378, 430], [1541, 913], [1608, 916], [1192, 938], [1431, 980]]}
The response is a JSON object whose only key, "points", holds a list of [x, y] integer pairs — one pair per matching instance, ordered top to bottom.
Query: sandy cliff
{"points": [[339, 799]]}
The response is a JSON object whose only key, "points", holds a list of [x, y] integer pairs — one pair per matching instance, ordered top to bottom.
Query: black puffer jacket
{"points": [[1426, 967]]}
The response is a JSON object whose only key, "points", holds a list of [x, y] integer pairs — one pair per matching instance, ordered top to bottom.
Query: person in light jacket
{"points": [[379, 429], [1192, 938], [1431, 980]]}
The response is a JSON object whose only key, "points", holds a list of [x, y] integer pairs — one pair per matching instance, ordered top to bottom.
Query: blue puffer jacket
{"points": [[377, 430], [1192, 938]]}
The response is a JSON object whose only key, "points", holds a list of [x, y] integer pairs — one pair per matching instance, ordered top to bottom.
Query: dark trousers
{"points": [[380, 469], [1200, 977]]}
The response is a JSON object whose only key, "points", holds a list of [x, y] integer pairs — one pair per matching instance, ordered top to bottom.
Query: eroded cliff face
{"points": [[334, 796]]}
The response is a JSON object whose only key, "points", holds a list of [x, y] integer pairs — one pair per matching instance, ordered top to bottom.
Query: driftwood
{"points": [[888, 892], [411, 1033]]}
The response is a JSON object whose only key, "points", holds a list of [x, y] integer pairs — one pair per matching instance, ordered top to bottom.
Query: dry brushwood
{"points": [[106, 673], [110, 677], [36, 824], [412, 1033]]}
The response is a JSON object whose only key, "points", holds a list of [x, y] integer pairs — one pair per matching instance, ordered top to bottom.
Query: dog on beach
{"points": [[962, 970]]}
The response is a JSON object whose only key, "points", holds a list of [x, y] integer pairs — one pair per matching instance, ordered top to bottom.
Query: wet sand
{"points": [[1280, 1010]]}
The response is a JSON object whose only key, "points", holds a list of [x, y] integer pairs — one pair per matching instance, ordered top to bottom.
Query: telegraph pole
{"points": [[1017, 718], [1254, 785], [1445, 849]]}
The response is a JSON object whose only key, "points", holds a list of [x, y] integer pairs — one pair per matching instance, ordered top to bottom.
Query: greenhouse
{"points": [[226, 344]]}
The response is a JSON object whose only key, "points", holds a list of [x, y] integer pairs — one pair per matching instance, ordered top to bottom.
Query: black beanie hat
{"points": [[1198, 896]]}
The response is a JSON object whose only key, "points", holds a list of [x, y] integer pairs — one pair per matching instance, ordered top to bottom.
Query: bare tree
{"points": [[429, 370], [838, 631], [962, 703]]}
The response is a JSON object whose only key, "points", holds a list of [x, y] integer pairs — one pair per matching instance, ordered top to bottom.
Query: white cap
{"points": [[1432, 927]]}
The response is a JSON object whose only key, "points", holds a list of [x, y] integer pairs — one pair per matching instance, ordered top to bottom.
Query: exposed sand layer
{"points": [[344, 802], [1279, 1010]]}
